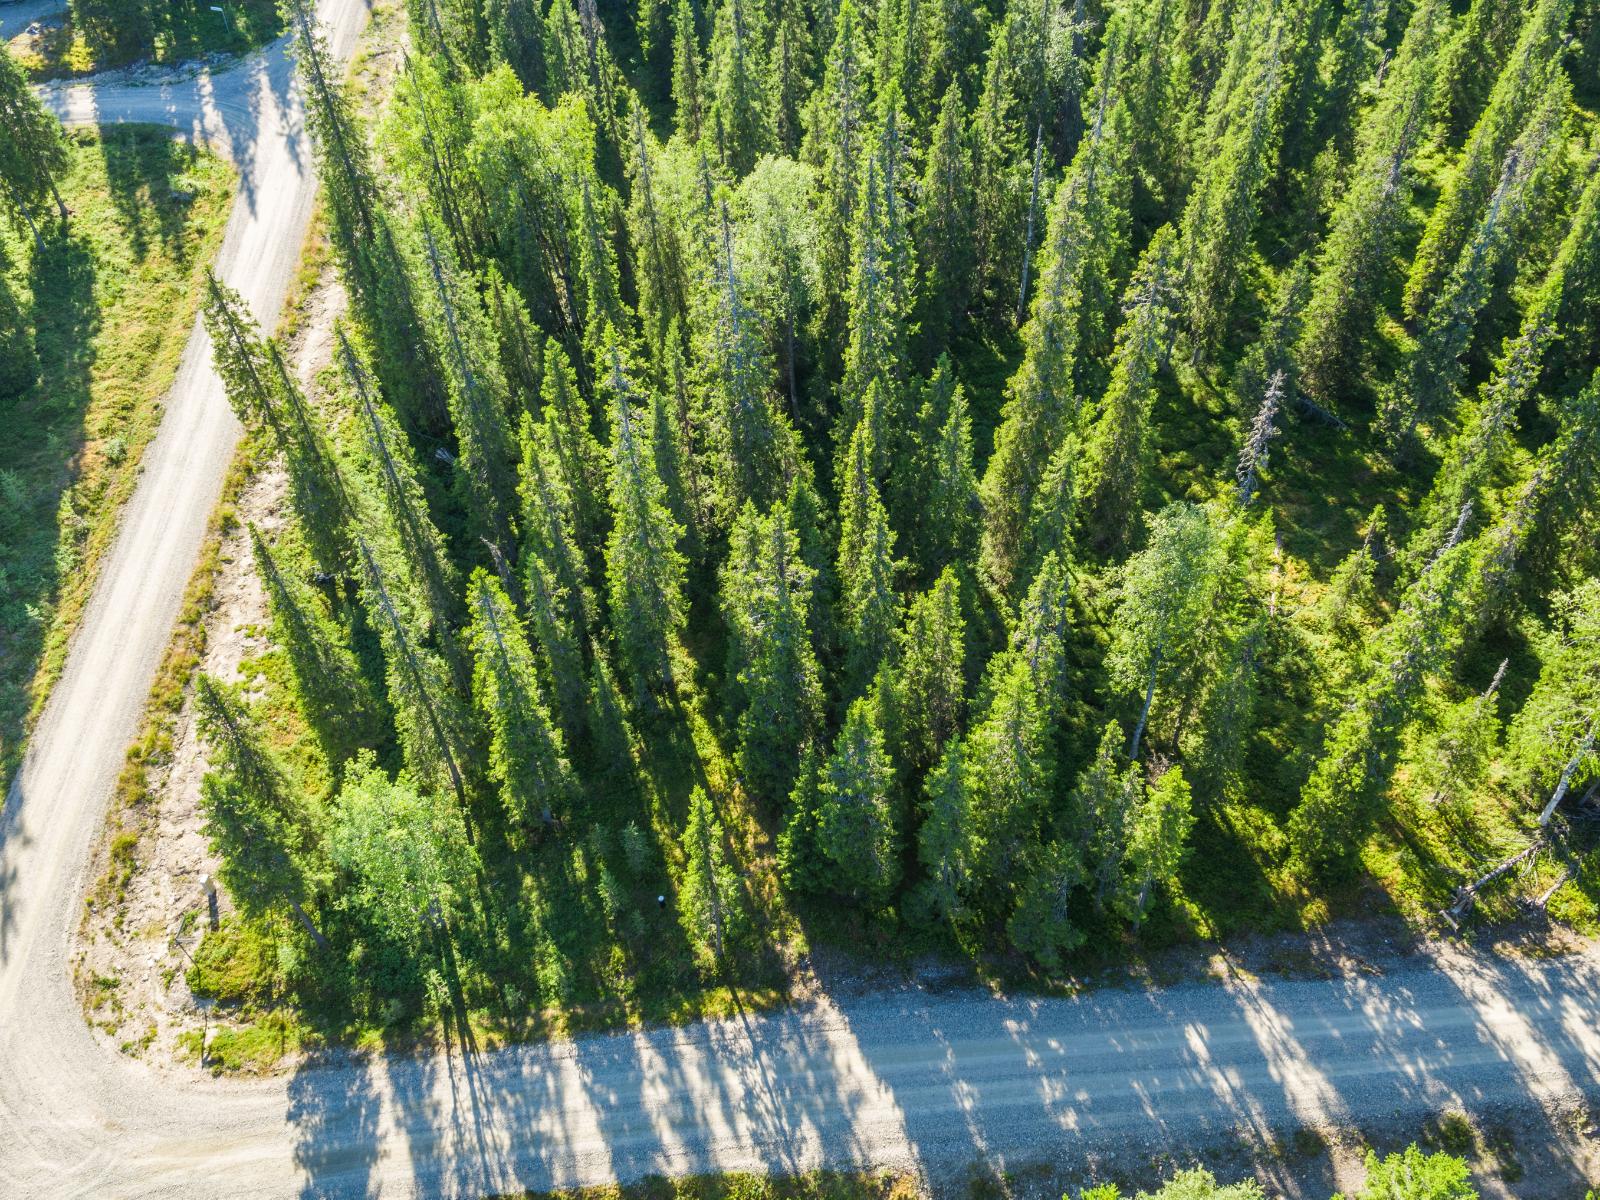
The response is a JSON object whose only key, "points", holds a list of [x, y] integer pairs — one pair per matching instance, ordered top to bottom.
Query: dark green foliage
{"points": [[777, 696], [526, 757]]}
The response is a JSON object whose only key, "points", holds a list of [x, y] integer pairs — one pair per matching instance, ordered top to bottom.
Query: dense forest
{"points": [[1023, 480]]}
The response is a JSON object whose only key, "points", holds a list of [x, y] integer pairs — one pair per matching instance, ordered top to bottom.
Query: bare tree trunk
{"points": [[1144, 713], [1566, 773], [300, 915]]}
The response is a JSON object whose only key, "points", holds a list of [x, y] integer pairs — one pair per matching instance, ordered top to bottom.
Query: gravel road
{"points": [[17, 15], [899, 1079]]}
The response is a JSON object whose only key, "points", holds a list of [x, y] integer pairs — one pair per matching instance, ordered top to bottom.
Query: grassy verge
{"points": [[173, 33], [112, 302]]}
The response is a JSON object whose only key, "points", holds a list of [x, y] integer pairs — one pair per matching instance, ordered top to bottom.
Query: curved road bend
{"points": [[897, 1080]]}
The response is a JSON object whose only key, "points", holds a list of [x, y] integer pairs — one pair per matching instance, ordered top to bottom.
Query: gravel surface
{"points": [[17, 15], [901, 1078]]}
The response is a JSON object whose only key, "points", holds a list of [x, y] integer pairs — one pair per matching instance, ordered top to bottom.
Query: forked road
{"points": [[898, 1080]]}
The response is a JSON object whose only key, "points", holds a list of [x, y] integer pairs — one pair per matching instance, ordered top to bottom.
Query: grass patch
{"points": [[66, 47], [112, 301]]}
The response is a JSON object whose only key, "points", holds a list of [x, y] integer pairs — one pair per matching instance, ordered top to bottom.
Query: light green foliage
{"points": [[644, 568], [1167, 592], [766, 594], [869, 607], [931, 692], [1565, 703], [526, 756], [854, 808], [406, 854], [711, 903], [1413, 1175]]}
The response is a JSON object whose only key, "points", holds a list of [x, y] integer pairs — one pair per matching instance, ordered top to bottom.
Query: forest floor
{"points": [[113, 301]]}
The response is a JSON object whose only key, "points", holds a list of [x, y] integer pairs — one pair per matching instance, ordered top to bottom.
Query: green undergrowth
{"points": [[111, 302]]}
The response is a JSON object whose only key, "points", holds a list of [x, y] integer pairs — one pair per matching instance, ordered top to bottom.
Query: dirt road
{"points": [[902, 1079]]}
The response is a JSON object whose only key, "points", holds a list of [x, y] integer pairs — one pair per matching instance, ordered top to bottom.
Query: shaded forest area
{"points": [[1029, 482]]}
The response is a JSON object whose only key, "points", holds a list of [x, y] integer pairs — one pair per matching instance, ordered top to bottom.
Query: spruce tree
{"points": [[516, 38], [789, 72], [688, 88], [1516, 95], [738, 115], [836, 141], [33, 155], [1220, 217], [941, 228], [1086, 231], [1356, 257], [375, 266], [660, 271], [876, 348], [1436, 369], [267, 398], [479, 398], [567, 424], [1485, 436], [752, 446], [1117, 449], [941, 507], [399, 509], [644, 569], [766, 595], [869, 608], [931, 685], [1555, 725], [435, 729], [527, 760], [1011, 773], [1347, 783], [1104, 797], [857, 824], [1156, 843], [945, 845], [710, 900], [1043, 924]]}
